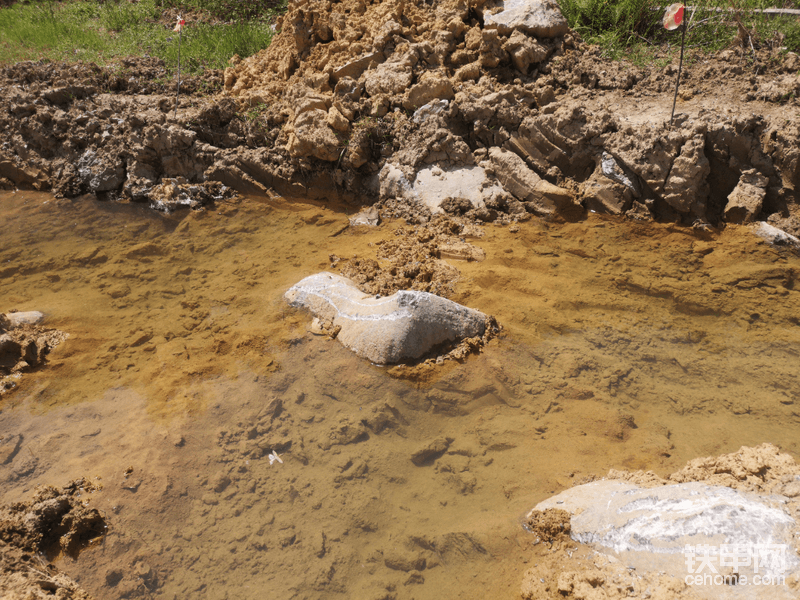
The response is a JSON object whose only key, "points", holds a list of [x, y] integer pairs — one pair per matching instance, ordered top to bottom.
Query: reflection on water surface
{"points": [[626, 346]]}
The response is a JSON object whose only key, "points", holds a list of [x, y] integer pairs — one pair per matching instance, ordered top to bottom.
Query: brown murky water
{"points": [[626, 346]]}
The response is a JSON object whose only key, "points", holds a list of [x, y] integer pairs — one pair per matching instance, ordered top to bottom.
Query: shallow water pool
{"points": [[625, 345]]}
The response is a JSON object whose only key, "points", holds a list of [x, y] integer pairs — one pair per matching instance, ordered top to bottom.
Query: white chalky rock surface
{"points": [[540, 18], [774, 235], [24, 318], [385, 330], [649, 529]]}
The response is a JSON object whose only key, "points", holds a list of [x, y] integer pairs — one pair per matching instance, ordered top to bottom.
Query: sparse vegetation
{"points": [[626, 27], [100, 32]]}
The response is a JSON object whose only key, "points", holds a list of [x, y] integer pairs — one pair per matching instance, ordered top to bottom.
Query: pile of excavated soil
{"points": [[402, 102], [52, 522], [567, 569]]}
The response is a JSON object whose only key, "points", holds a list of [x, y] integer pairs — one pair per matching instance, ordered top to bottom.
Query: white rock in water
{"points": [[541, 18], [774, 235], [32, 317], [403, 326], [649, 528]]}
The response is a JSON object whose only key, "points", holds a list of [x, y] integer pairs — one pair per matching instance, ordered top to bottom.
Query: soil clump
{"points": [[23, 346], [52, 522]]}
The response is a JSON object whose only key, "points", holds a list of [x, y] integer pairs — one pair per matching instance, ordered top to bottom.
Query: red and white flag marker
{"points": [[673, 18]]}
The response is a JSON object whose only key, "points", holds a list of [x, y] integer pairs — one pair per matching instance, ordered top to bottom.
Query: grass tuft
{"points": [[713, 25], [101, 32]]}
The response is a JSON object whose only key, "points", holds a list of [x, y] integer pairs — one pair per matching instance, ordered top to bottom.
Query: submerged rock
{"points": [[774, 235], [15, 319], [403, 326], [672, 529]]}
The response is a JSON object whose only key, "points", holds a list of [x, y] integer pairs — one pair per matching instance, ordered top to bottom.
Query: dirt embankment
{"points": [[399, 101], [52, 522]]}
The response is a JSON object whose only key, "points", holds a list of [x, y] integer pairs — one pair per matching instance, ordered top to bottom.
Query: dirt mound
{"points": [[60, 82], [403, 102], [415, 259], [23, 346], [53, 522], [573, 570]]}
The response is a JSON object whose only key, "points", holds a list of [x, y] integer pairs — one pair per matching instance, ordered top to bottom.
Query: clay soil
{"points": [[635, 331]]}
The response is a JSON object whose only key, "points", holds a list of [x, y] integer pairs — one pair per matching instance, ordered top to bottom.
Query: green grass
{"points": [[625, 26], [91, 31]]}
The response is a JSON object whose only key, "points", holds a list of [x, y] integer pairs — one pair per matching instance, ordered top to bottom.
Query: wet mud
{"points": [[624, 345], [53, 522]]}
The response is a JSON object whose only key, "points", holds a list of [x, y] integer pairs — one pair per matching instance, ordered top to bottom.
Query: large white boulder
{"points": [[540, 18], [385, 330], [672, 528]]}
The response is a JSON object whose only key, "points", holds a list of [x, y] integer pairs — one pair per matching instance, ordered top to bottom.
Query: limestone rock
{"points": [[541, 18], [431, 109], [100, 173], [394, 182], [433, 185], [527, 186], [610, 189], [601, 194], [746, 199], [370, 217], [774, 235], [31, 317], [403, 326], [649, 528]]}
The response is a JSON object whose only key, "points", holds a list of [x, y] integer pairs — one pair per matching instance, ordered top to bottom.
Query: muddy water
{"points": [[625, 346]]}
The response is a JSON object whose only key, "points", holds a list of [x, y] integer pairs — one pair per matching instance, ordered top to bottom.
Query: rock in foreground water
{"points": [[385, 330], [684, 530]]}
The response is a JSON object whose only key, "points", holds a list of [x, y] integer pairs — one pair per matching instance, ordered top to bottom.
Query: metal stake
{"points": [[680, 67], [178, 91]]}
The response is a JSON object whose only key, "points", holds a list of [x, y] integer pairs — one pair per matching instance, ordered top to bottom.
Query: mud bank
{"points": [[398, 102], [52, 522]]}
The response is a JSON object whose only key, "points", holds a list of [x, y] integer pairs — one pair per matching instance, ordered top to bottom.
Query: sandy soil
{"points": [[640, 325]]}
